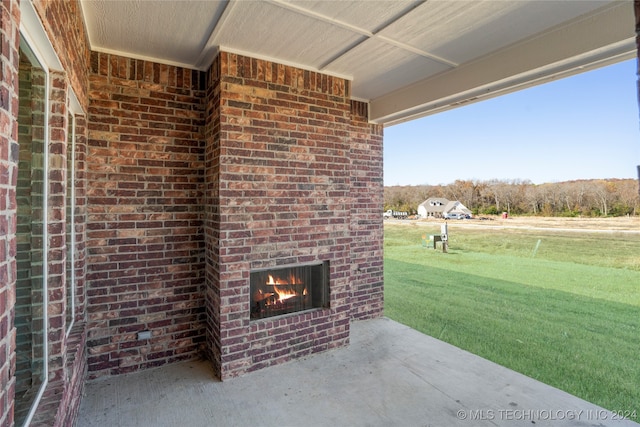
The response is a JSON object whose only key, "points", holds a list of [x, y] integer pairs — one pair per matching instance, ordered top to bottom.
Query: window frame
{"points": [[33, 34], [26, 42], [74, 110], [71, 221]]}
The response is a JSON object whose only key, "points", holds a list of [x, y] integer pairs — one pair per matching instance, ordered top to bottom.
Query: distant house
{"points": [[433, 207], [437, 207]]}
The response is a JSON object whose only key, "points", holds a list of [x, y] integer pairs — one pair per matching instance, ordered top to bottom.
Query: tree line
{"points": [[594, 197]]}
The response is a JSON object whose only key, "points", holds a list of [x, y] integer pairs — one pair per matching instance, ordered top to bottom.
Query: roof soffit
{"points": [[408, 58]]}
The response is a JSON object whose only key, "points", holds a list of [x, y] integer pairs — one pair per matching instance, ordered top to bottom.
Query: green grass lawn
{"points": [[567, 314]]}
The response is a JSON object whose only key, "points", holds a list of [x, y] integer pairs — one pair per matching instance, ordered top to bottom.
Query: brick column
{"points": [[278, 185], [56, 216], [212, 216], [80, 217], [367, 229]]}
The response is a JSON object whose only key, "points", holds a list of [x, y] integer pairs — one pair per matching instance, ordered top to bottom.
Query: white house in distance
{"points": [[438, 207]]}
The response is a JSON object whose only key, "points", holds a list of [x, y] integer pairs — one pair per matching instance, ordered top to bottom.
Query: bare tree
{"points": [[463, 191], [493, 191], [628, 191], [604, 193], [587, 197], [534, 199]]}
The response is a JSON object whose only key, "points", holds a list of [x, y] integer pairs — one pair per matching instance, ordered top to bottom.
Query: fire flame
{"points": [[291, 280], [282, 293]]}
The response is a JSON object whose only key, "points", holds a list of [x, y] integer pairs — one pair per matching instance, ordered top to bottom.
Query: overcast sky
{"points": [[581, 127]]}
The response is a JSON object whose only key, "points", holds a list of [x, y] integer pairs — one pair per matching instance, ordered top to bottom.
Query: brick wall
{"points": [[64, 24], [9, 26], [256, 160], [272, 162], [367, 190], [145, 194], [282, 197], [212, 216], [80, 217], [56, 227]]}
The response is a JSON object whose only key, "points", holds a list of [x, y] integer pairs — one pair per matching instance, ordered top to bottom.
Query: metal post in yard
{"points": [[444, 234]]}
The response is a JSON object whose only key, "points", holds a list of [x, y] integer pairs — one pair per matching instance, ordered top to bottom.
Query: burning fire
{"points": [[291, 280], [282, 293]]}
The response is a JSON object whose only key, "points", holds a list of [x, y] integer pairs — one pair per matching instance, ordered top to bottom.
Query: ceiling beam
{"points": [[366, 35], [601, 38], [210, 48]]}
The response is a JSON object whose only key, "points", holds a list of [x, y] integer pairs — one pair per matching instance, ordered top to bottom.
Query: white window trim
{"points": [[75, 109], [71, 252]]}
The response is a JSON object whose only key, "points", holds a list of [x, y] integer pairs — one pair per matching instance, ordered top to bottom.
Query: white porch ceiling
{"points": [[407, 58]]}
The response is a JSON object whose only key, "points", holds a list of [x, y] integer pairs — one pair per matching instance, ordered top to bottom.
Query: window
{"points": [[31, 236]]}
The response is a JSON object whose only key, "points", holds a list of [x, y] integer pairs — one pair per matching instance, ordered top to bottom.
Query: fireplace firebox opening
{"points": [[283, 290]]}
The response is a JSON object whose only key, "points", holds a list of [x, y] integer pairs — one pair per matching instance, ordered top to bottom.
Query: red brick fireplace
{"points": [[283, 173], [199, 179]]}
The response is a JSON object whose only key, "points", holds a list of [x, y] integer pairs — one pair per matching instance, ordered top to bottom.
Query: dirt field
{"points": [[622, 224]]}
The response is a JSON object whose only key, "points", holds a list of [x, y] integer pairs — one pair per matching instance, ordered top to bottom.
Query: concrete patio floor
{"points": [[390, 375]]}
